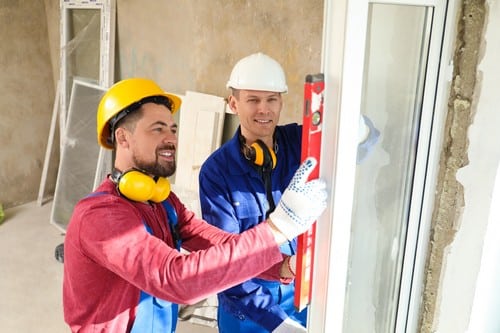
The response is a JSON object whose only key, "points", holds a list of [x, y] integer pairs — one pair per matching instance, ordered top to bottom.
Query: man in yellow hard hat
{"points": [[123, 271]]}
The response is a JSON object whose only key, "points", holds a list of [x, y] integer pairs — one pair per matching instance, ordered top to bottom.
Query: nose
{"points": [[263, 107], [171, 136]]}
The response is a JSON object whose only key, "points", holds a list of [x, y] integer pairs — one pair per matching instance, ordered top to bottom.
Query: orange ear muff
{"points": [[262, 155], [137, 186]]}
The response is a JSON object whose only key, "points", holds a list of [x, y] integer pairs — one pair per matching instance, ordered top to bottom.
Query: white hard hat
{"points": [[258, 72]]}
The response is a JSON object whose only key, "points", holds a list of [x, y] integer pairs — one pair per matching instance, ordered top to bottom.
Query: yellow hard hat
{"points": [[121, 96]]}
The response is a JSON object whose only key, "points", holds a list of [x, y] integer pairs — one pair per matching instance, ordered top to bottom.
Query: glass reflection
{"points": [[395, 61]]}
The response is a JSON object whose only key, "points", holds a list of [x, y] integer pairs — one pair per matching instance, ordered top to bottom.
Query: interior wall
{"points": [[53, 30], [182, 44], [193, 45], [26, 101], [476, 116], [469, 161]]}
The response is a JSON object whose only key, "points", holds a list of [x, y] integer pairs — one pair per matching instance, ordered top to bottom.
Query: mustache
{"points": [[169, 146]]}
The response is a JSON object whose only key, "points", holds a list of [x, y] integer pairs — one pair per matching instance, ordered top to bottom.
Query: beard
{"points": [[155, 168]]}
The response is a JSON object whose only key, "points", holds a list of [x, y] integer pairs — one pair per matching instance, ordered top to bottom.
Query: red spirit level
{"points": [[311, 146]]}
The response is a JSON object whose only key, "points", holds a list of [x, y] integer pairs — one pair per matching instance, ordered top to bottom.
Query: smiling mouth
{"points": [[263, 121], [167, 153]]}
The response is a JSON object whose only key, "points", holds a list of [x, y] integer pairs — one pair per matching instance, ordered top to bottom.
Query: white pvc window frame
{"points": [[107, 10], [107, 13], [344, 40], [76, 173]]}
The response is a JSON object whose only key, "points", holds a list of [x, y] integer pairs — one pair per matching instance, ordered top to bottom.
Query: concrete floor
{"points": [[31, 277]]}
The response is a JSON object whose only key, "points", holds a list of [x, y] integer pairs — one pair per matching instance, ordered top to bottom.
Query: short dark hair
{"points": [[128, 117]]}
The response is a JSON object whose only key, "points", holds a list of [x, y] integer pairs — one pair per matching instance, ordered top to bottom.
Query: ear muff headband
{"points": [[262, 155], [137, 186]]}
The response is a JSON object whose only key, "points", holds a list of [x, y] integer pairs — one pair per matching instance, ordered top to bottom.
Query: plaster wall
{"points": [[183, 45], [193, 45], [26, 100], [469, 164], [463, 263]]}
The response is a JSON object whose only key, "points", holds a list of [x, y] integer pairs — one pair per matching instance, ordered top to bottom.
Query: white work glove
{"points": [[302, 202], [290, 326]]}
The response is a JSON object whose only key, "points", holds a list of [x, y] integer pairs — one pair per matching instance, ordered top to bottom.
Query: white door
{"points": [[388, 60]]}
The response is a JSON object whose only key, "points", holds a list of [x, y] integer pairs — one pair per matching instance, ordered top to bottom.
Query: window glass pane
{"points": [[84, 46], [82, 49], [395, 60]]}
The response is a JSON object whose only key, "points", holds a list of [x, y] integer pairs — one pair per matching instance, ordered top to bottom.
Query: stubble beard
{"points": [[165, 169]]}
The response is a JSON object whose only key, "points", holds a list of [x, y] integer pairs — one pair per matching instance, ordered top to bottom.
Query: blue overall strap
{"points": [[95, 194], [172, 223], [154, 315]]}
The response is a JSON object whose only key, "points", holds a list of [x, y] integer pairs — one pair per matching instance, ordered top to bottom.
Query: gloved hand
{"points": [[301, 204], [290, 326]]}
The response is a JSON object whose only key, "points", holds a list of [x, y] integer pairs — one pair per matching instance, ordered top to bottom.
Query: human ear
{"points": [[231, 101], [121, 137]]}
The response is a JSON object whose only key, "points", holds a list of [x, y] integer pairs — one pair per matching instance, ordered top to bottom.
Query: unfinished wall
{"points": [[53, 18], [184, 45], [192, 45], [26, 101], [450, 203]]}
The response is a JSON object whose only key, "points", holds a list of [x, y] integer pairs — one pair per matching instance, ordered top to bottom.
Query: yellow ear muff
{"points": [[263, 156], [137, 186], [161, 190]]}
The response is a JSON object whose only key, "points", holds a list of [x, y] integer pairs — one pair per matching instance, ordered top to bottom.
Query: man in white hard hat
{"points": [[240, 184]]}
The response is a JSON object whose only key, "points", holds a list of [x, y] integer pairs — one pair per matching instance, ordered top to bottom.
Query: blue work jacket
{"points": [[233, 198]]}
